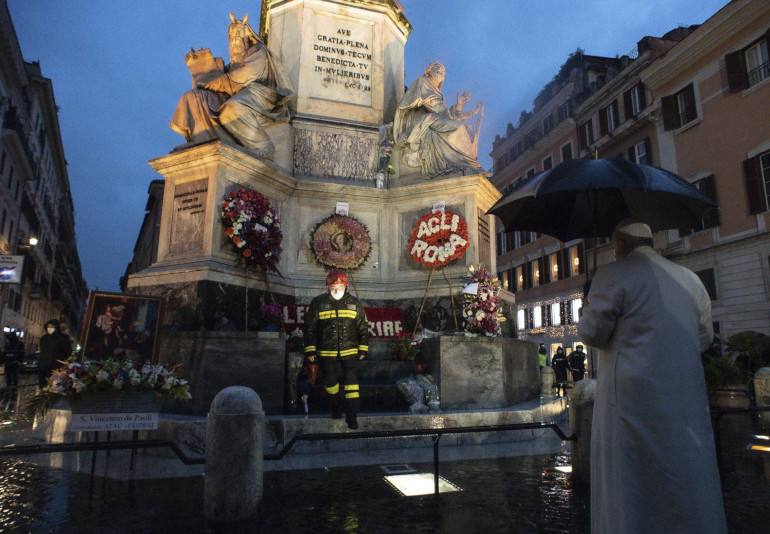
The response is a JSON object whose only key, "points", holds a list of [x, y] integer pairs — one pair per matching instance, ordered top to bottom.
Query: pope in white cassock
{"points": [[653, 460]]}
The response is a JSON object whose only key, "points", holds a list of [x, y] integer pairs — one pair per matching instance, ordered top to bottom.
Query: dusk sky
{"points": [[118, 70]]}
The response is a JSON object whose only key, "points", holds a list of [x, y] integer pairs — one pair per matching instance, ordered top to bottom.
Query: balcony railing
{"points": [[758, 74]]}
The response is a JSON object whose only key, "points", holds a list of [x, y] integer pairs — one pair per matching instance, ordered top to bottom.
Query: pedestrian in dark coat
{"points": [[54, 347], [12, 355], [577, 363], [559, 364]]}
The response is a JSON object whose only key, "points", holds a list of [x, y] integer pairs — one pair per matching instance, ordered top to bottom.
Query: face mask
{"points": [[337, 294], [51, 330]]}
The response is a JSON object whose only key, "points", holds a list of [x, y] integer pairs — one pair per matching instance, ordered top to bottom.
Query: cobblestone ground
{"points": [[524, 494]]}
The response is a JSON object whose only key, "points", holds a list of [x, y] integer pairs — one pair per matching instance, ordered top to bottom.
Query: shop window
{"points": [[575, 305], [555, 314], [537, 317], [520, 322]]}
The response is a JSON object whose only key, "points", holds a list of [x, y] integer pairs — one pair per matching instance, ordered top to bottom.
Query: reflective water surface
{"points": [[525, 493]]}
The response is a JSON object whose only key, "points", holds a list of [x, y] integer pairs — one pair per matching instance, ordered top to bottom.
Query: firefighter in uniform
{"points": [[337, 331]]}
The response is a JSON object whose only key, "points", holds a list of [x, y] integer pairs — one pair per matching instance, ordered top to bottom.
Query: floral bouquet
{"points": [[253, 226], [481, 312], [273, 314], [403, 348], [75, 379]]}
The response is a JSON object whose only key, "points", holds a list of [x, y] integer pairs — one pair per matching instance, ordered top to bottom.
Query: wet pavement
{"points": [[516, 489]]}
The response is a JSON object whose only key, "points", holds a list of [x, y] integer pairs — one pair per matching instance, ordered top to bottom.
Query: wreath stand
{"points": [[448, 277], [246, 295]]}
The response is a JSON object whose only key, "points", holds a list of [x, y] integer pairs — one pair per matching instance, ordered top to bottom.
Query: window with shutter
{"points": [[736, 71], [566, 151], [754, 178]]}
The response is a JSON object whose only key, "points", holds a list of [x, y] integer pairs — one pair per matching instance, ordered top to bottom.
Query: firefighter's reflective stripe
{"points": [[342, 314], [363, 348], [309, 349], [333, 353], [333, 390], [351, 391]]}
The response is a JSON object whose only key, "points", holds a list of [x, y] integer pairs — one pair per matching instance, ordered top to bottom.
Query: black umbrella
{"points": [[588, 198]]}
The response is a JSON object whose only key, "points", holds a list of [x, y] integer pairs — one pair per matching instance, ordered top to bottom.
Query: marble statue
{"points": [[236, 102], [432, 137]]}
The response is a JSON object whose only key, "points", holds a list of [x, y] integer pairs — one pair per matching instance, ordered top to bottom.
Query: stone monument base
{"points": [[482, 372]]}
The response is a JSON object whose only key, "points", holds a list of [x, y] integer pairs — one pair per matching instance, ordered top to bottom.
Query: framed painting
{"points": [[119, 326]]}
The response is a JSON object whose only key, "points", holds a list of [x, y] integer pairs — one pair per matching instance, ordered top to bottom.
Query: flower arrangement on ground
{"points": [[252, 225], [438, 238], [341, 242], [481, 311], [273, 315], [403, 347], [76, 379]]}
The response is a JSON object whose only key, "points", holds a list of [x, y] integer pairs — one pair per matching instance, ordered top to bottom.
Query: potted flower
{"points": [[273, 318], [403, 347], [76, 381], [726, 382]]}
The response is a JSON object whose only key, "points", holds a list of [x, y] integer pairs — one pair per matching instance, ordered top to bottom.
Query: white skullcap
{"points": [[634, 228]]}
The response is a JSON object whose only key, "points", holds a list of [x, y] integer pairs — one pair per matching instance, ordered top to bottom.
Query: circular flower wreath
{"points": [[253, 226], [438, 238], [341, 242]]}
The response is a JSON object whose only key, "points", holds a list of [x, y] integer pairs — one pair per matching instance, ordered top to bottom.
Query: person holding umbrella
{"points": [[653, 460]]}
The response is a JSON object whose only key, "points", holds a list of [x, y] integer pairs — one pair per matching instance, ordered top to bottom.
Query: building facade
{"points": [[693, 101], [35, 201]]}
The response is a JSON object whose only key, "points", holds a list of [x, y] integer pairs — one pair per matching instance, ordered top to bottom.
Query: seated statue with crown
{"points": [[236, 102]]}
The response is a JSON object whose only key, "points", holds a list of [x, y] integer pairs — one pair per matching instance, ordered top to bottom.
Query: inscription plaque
{"points": [[188, 216]]}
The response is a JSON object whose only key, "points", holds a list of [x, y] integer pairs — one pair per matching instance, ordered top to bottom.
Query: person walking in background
{"points": [[54, 347], [13, 353], [542, 357], [577, 363], [559, 364], [653, 460]]}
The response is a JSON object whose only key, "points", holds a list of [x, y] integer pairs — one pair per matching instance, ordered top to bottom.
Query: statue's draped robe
{"points": [[239, 104], [430, 137], [653, 460]]}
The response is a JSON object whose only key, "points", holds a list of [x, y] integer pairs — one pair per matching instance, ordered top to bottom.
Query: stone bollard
{"points": [[547, 378], [762, 393], [581, 409], [235, 432]]}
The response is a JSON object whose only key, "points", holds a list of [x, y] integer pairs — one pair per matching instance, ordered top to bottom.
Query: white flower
{"points": [[480, 315], [102, 375], [134, 377], [118, 384], [78, 385]]}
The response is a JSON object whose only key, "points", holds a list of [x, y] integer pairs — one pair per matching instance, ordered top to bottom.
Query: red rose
{"points": [[232, 195], [230, 231], [236, 240], [247, 252]]}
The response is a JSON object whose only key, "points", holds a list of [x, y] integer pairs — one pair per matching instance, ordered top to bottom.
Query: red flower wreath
{"points": [[253, 226], [438, 238]]}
